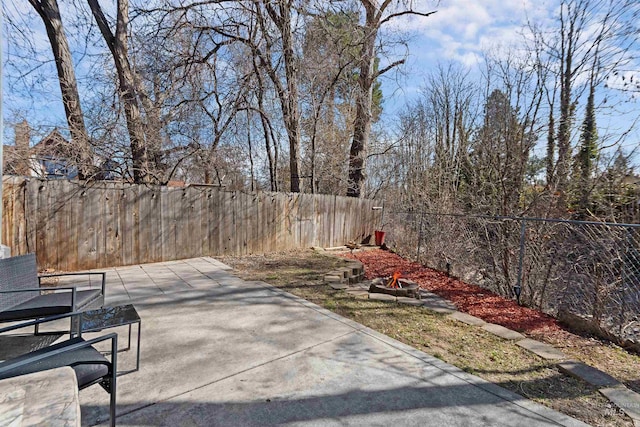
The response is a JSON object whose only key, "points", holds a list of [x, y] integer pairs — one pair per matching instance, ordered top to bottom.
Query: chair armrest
{"points": [[78, 273], [103, 280], [65, 288], [39, 321], [7, 366]]}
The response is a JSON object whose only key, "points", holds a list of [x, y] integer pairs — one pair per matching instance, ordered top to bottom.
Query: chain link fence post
{"points": [[419, 238], [625, 278], [518, 287]]}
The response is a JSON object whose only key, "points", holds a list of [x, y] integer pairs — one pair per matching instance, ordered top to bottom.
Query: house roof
{"points": [[52, 145]]}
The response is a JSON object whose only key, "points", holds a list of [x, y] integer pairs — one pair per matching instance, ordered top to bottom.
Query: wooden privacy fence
{"points": [[72, 226]]}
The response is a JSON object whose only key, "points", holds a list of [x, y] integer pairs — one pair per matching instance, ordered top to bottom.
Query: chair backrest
{"points": [[18, 272]]}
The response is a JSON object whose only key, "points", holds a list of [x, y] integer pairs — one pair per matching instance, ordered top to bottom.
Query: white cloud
{"points": [[462, 29]]}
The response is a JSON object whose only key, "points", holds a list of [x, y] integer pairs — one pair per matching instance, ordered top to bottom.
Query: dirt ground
{"points": [[469, 348]]}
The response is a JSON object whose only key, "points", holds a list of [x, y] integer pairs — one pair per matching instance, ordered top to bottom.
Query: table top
{"points": [[109, 317], [42, 398]]}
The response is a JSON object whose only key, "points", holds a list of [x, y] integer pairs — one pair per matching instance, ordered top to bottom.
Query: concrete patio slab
{"points": [[245, 353]]}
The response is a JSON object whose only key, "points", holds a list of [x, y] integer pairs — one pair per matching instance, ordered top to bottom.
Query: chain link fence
{"points": [[584, 273]]}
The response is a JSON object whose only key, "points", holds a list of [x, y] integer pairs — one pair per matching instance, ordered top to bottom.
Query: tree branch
{"points": [[406, 12], [388, 67]]}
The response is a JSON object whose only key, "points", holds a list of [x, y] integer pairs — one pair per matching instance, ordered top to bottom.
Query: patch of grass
{"points": [[469, 348]]}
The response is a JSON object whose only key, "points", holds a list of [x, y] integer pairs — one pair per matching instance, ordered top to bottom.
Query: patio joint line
{"points": [[207, 260], [180, 277], [123, 283], [156, 284]]}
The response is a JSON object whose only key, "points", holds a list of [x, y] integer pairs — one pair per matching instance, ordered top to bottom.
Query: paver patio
{"points": [[217, 350]]}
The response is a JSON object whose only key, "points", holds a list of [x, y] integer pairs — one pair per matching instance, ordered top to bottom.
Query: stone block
{"points": [[381, 297], [409, 301], [467, 318], [503, 332], [543, 350], [588, 373], [624, 399]]}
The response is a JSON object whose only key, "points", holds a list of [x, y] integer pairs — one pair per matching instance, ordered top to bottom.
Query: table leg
{"points": [[129, 340], [138, 349]]}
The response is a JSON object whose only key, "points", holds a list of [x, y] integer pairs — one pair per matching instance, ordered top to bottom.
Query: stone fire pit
{"points": [[404, 288]]}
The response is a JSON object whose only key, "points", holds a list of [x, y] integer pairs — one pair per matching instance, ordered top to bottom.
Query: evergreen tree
{"points": [[585, 162]]}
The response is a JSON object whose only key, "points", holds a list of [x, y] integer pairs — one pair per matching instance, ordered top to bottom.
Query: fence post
{"points": [[419, 238], [625, 276], [518, 287]]}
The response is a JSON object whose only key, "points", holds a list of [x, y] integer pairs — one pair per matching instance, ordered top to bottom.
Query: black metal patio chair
{"points": [[23, 297], [90, 366]]}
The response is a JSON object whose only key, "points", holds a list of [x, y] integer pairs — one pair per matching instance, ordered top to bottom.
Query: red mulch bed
{"points": [[471, 299]]}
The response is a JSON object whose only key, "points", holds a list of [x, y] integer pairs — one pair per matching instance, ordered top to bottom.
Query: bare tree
{"points": [[376, 14], [267, 31], [593, 39], [328, 70], [501, 148], [145, 152], [430, 166]]}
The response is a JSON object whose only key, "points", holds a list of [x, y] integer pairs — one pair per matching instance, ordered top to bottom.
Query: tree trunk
{"points": [[288, 96], [566, 110], [292, 117], [362, 124], [551, 150], [81, 152], [142, 167]]}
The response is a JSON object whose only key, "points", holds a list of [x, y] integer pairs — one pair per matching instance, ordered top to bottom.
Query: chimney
{"points": [[23, 135]]}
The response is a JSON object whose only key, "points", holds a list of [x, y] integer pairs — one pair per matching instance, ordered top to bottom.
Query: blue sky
{"points": [[461, 30]]}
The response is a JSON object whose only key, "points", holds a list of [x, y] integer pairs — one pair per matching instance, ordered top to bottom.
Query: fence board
{"points": [[128, 197], [143, 211], [64, 213], [226, 219], [154, 221], [268, 221], [214, 222], [74, 226], [85, 231], [204, 236], [165, 240], [254, 241], [191, 244], [114, 253]]}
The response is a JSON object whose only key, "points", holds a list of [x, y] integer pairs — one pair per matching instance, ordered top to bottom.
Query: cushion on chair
{"points": [[49, 305], [89, 365]]}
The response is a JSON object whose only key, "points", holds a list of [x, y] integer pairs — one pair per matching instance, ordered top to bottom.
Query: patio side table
{"points": [[111, 317]]}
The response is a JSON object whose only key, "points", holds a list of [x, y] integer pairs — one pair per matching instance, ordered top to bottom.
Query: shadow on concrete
{"points": [[422, 405]]}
